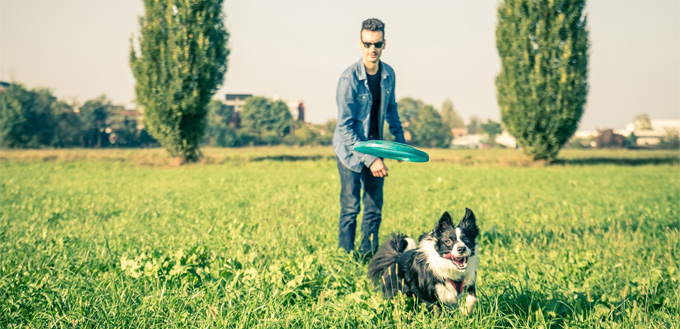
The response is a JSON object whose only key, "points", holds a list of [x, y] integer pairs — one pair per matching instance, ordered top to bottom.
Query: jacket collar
{"points": [[361, 70]]}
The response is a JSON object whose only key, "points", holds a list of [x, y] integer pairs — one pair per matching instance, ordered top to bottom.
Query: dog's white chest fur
{"points": [[443, 268], [447, 293]]}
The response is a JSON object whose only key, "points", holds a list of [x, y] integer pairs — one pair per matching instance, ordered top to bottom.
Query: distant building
{"points": [[661, 129], [457, 132], [586, 134], [462, 140], [506, 140], [472, 141]]}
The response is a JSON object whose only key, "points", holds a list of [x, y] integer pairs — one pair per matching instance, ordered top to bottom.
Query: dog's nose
{"points": [[461, 249]]}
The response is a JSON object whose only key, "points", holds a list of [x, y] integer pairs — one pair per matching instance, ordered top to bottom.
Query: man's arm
{"points": [[345, 99]]}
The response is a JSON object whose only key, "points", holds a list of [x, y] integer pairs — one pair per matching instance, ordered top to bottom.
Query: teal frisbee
{"points": [[392, 150]]}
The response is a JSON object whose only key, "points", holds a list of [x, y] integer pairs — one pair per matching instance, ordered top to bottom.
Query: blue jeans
{"points": [[350, 205]]}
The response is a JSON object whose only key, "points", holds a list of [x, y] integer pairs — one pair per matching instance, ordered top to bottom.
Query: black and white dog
{"points": [[439, 269]]}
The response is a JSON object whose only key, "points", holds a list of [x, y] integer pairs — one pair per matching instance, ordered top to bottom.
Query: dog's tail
{"points": [[387, 255]]}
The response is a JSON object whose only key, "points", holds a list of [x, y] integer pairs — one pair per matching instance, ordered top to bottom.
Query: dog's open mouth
{"points": [[460, 262]]}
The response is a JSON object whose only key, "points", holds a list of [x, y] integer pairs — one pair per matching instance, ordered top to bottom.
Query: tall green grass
{"points": [[251, 242]]}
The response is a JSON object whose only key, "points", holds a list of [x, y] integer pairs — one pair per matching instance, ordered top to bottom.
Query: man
{"points": [[365, 98]]}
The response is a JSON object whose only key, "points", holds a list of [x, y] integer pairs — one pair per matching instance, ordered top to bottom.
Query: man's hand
{"points": [[378, 168]]}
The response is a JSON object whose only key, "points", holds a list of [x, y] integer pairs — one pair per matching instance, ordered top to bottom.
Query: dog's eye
{"points": [[448, 242]]}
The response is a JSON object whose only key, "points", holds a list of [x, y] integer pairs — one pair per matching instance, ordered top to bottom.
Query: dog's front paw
{"points": [[470, 302]]}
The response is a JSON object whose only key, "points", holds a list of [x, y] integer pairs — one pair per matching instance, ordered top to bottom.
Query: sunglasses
{"points": [[378, 44]]}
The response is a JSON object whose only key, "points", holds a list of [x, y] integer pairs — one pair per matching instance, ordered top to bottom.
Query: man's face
{"points": [[370, 38]]}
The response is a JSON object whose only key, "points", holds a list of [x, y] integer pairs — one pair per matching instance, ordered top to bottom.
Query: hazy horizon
{"points": [[296, 50]]}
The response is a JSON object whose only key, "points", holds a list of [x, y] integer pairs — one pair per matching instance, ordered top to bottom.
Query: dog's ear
{"points": [[444, 223], [469, 224]]}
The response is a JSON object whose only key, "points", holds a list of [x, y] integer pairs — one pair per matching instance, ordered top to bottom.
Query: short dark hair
{"points": [[373, 24]]}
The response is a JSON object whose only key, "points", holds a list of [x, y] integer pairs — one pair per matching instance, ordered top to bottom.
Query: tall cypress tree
{"points": [[181, 62], [543, 83]]}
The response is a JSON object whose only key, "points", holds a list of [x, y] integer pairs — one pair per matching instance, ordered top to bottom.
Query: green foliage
{"points": [[182, 59], [542, 86], [408, 108], [219, 113], [94, 115], [26, 117], [450, 117], [35, 118], [268, 122], [642, 122], [423, 124], [475, 125], [492, 129], [68, 130], [428, 130], [218, 131], [326, 132], [126, 133], [302, 134], [310, 134], [227, 136], [146, 140], [631, 140], [671, 140], [580, 143], [220, 245]]}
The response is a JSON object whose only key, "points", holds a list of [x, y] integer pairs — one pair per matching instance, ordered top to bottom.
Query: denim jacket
{"points": [[354, 110]]}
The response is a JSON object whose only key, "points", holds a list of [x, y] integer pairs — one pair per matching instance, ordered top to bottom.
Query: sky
{"points": [[295, 50]]}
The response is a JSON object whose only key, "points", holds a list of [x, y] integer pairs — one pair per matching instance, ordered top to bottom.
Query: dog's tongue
{"points": [[455, 259]]}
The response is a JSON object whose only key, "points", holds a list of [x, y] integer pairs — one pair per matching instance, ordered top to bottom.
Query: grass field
{"points": [[123, 238]]}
